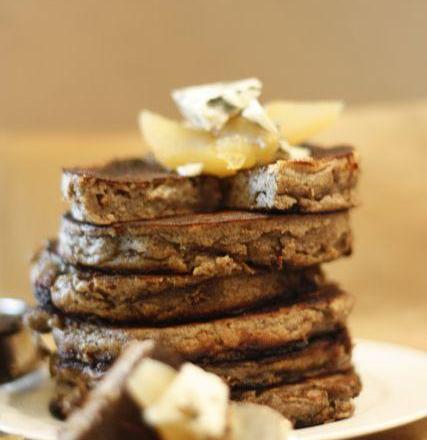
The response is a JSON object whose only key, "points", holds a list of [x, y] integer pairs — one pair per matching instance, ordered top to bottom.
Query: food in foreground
{"points": [[20, 349], [145, 395]]}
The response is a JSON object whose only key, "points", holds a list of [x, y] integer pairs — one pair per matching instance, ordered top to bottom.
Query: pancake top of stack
{"points": [[140, 189]]}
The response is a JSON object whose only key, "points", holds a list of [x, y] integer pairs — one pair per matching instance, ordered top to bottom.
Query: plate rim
{"points": [[378, 427]]}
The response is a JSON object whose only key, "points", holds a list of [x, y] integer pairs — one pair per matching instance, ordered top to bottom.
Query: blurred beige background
{"points": [[92, 64]]}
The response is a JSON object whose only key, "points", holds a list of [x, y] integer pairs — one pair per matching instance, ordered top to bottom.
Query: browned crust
{"points": [[125, 170], [324, 182], [135, 189], [139, 189], [208, 243], [158, 299], [219, 340], [321, 355], [312, 402], [109, 412]]}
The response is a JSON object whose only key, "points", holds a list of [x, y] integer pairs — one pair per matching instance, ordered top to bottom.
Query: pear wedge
{"points": [[298, 121], [239, 145]]}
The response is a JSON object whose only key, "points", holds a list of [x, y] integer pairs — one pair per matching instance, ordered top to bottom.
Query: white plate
{"points": [[394, 393], [24, 407]]}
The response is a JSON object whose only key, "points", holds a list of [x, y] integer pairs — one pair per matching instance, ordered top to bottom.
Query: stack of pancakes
{"points": [[225, 272]]}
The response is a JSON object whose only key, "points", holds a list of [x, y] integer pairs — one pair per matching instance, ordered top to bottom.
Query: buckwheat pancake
{"points": [[323, 182], [135, 189], [140, 189], [207, 244], [160, 298], [314, 313], [324, 354], [319, 355], [314, 401]]}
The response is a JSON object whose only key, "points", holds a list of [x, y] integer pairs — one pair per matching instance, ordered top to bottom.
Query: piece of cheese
{"points": [[209, 107], [149, 381], [194, 406]]}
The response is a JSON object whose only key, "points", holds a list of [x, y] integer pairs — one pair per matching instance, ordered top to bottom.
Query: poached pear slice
{"points": [[299, 121], [241, 144]]}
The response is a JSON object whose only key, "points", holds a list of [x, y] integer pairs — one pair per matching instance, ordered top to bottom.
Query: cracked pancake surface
{"points": [[324, 182], [135, 189], [138, 189], [208, 244], [154, 299], [220, 339], [320, 355], [313, 401]]}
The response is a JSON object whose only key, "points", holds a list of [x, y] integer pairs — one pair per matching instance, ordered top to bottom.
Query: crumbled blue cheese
{"points": [[209, 107], [255, 112]]}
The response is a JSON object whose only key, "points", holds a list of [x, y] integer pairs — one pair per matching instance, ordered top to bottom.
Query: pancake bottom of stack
{"points": [[292, 352], [309, 383]]}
